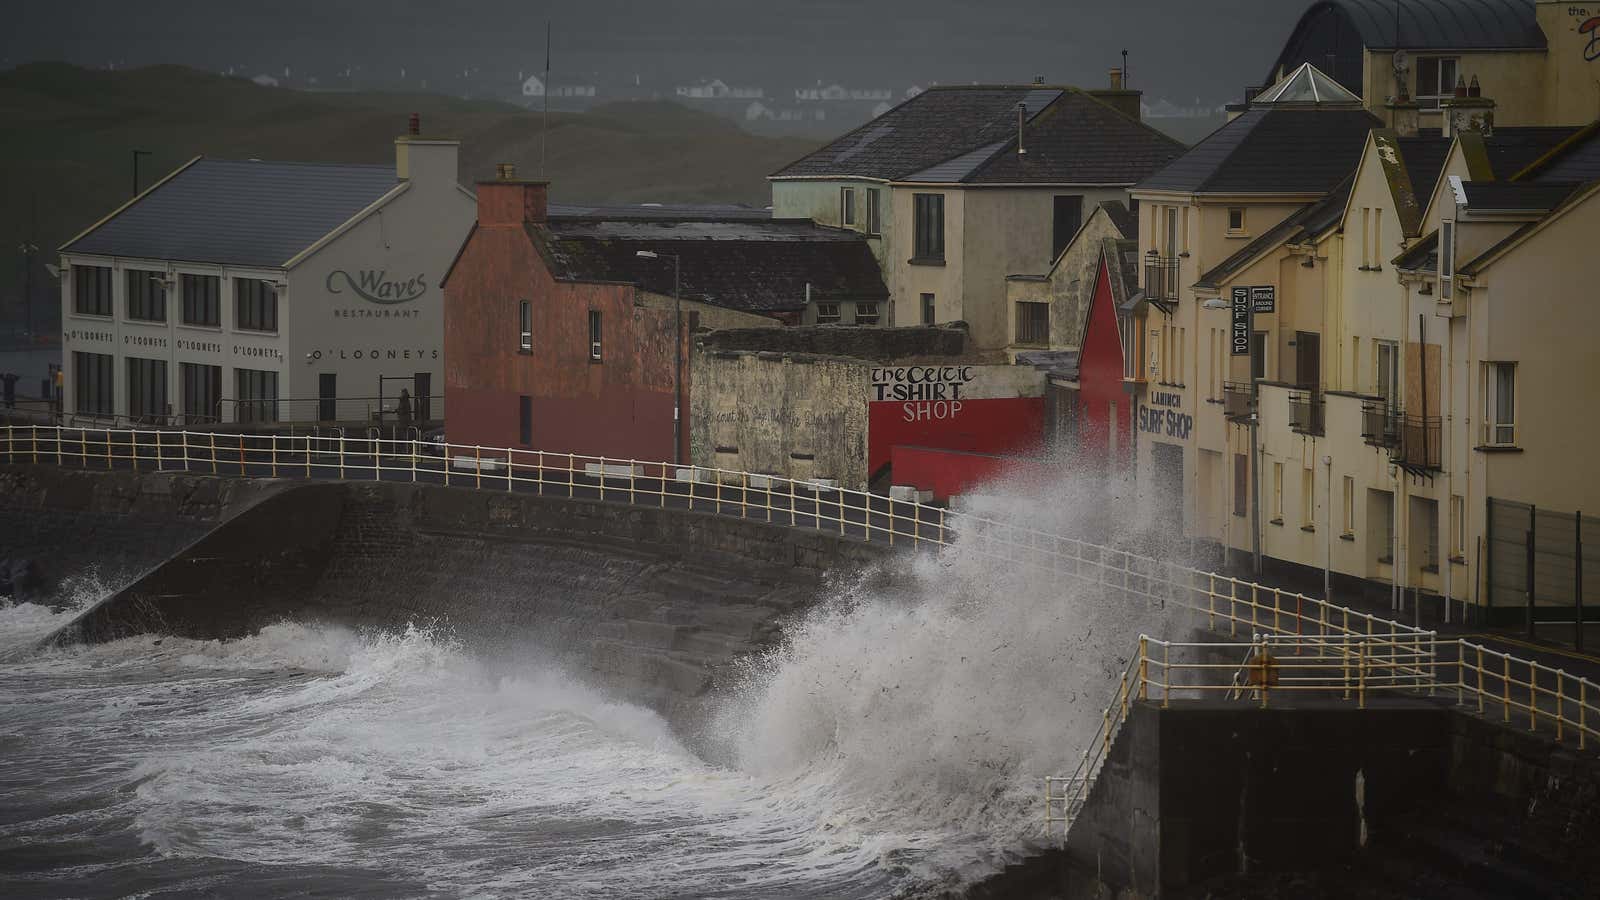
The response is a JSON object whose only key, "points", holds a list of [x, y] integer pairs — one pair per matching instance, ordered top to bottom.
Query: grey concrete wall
{"points": [[795, 415], [83, 529], [649, 602], [1405, 798]]}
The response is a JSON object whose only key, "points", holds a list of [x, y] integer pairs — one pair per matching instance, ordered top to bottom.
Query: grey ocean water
{"points": [[891, 747]]}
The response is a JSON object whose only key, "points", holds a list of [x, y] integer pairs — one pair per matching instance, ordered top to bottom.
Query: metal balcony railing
{"points": [[1161, 278], [1237, 400], [1306, 412], [1380, 424], [1418, 447]]}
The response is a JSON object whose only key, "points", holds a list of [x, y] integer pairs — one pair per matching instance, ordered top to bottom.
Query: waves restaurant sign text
{"points": [[375, 286]]}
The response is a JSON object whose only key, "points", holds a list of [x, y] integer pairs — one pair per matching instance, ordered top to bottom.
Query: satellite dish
{"points": [[1401, 57]]}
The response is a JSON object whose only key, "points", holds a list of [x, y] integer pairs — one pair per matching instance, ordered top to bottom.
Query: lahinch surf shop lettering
{"points": [[924, 392], [1170, 421]]}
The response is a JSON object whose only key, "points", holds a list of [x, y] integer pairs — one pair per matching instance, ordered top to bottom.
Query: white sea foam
{"points": [[934, 703], [902, 729]]}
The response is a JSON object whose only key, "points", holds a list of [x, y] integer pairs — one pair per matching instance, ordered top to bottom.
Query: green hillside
{"points": [[70, 133]]}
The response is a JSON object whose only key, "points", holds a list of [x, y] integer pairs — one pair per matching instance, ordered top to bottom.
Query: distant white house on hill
{"points": [[265, 80], [533, 86], [717, 89], [840, 92]]}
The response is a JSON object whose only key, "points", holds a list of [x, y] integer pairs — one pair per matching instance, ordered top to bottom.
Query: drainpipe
{"points": [[1445, 422], [1327, 530]]}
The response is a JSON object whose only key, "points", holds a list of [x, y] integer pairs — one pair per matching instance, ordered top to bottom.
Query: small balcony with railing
{"points": [[1160, 278], [1238, 401], [1307, 411], [1380, 424], [1418, 447]]}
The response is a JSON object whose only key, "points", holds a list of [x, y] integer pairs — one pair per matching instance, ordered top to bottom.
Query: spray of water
{"points": [[942, 691]]}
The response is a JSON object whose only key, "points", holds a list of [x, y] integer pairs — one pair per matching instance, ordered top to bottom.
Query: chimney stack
{"points": [[1119, 97], [1468, 110], [421, 160], [510, 201]]}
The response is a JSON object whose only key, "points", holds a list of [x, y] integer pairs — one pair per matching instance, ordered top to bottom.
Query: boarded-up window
{"points": [[1422, 380]]}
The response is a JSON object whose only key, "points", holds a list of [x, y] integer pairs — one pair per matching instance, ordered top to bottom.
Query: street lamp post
{"points": [[677, 344]]}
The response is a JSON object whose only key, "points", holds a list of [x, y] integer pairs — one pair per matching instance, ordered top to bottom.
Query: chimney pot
{"points": [[1038, 79], [1116, 79], [1461, 86], [1473, 89], [414, 127], [506, 171]]}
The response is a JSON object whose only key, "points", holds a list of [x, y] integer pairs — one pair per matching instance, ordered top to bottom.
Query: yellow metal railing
{"points": [[1305, 644]]}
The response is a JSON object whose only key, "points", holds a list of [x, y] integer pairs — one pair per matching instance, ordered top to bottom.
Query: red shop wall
{"points": [[1002, 425], [950, 472]]}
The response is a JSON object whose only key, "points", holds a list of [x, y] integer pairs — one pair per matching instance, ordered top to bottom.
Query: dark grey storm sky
{"points": [[1208, 49]]}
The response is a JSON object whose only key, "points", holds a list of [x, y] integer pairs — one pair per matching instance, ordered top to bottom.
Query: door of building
{"points": [[1307, 359], [422, 389], [327, 397], [1166, 463]]}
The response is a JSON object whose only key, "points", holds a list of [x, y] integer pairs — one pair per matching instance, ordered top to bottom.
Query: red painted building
{"points": [[560, 333], [1092, 402]]}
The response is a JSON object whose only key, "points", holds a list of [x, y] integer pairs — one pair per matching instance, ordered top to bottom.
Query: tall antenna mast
{"points": [[544, 130]]}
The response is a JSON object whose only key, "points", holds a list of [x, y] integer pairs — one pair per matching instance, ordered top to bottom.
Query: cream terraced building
{"points": [[255, 292], [1411, 338]]}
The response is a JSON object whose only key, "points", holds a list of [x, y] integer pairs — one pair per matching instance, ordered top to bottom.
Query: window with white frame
{"points": [[1436, 79], [847, 206], [874, 211], [1447, 260], [91, 290], [146, 295], [255, 305], [827, 313], [866, 313], [525, 324], [1386, 372], [1500, 403], [1277, 493], [1308, 498], [1349, 505], [1458, 527]]}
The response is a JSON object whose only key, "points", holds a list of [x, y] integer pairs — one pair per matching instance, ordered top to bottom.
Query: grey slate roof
{"points": [[1432, 24], [933, 126], [963, 135], [1080, 140], [1512, 149], [1271, 151], [1423, 158], [1577, 159], [1539, 196], [239, 213], [1423, 255], [746, 265]]}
